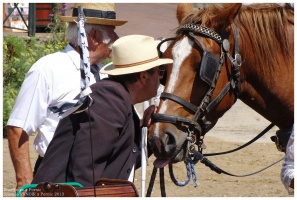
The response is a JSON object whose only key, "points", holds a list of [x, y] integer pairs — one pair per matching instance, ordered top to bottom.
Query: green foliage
{"points": [[57, 27], [19, 54], [105, 62]]}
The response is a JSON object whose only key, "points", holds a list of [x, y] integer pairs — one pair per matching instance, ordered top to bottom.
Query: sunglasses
{"points": [[161, 70]]}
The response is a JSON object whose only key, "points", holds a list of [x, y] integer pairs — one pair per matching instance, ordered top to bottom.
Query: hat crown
{"points": [[96, 6], [95, 13], [134, 50], [134, 53]]}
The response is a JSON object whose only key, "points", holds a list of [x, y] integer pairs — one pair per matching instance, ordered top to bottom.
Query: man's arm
{"points": [[18, 143]]}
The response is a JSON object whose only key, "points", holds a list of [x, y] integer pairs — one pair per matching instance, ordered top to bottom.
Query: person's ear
{"points": [[95, 36], [143, 76]]}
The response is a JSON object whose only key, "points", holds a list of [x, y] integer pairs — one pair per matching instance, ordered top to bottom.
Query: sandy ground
{"points": [[237, 126]]}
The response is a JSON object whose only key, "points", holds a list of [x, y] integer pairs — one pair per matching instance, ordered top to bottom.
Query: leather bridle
{"points": [[210, 69], [209, 72]]}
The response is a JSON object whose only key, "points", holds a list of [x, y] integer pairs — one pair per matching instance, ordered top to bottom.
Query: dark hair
{"points": [[126, 78], [129, 78]]}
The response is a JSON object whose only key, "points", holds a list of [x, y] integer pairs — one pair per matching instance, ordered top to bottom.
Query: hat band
{"points": [[95, 13], [137, 63]]}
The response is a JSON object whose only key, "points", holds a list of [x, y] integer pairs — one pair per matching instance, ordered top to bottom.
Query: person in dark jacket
{"points": [[105, 139]]}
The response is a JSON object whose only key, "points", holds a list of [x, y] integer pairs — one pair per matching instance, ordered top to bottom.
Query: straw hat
{"points": [[96, 13], [133, 53]]}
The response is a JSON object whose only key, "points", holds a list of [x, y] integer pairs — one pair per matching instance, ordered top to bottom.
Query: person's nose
{"points": [[114, 36], [109, 55]]}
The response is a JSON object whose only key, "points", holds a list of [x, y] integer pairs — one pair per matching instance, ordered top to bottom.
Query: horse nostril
{"points": [[169, 139]]}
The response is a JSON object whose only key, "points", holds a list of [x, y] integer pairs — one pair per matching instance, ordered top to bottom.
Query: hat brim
{"points": [[94, 20], [111, 70]]}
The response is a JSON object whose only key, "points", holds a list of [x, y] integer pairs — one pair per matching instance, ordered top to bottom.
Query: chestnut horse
{"points": [[222, 53]]}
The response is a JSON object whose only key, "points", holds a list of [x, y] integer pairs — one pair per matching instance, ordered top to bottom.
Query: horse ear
{"points": [[183, 10], [224, 19]]}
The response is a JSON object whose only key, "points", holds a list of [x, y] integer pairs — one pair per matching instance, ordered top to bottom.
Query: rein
{"points": [[199, 122], [245, 145]]}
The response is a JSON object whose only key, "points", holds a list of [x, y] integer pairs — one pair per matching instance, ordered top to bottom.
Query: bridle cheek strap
{"points": [[199, 121]]}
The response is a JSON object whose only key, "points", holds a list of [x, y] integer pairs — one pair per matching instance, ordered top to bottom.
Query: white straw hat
{"points": [[96, 13], [134, 53]]}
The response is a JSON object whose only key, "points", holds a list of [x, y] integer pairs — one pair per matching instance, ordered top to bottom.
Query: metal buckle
{"points": [[238, 59], [277, 143]]}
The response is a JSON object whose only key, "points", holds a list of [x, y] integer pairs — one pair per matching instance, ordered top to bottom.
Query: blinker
{"points": [[209, 65]]}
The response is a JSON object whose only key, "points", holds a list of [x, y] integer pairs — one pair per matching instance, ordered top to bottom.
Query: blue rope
{"points": [[190, 171], [194, 176]]}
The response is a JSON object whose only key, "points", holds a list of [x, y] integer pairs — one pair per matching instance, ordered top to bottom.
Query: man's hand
{"points": [[148, 114], [18, 143]]}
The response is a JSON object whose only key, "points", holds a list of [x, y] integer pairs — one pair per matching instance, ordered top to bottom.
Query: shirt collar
{"points": [[74, 55]]}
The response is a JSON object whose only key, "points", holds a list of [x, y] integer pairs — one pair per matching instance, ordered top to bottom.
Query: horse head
{"points": [[203, 82]]}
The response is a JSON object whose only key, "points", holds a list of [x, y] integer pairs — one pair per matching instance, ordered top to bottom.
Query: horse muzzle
{"points": [[168, 148]]}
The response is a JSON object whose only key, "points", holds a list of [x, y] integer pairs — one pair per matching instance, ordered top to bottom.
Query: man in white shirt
{"points": [[54, 80]]}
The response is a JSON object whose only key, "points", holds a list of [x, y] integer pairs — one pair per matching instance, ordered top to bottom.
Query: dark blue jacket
{"points": [[115, 131]]}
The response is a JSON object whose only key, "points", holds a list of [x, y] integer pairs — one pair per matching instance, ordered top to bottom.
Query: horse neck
{"points": [[267, 71], [271, 96]]}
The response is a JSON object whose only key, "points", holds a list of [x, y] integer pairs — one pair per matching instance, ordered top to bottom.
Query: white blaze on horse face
{"points": [[180, 52]]}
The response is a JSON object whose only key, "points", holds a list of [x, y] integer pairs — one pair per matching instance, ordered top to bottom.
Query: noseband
{"points": [[210, 70]]}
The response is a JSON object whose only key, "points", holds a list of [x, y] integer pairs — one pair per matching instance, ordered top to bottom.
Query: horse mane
{"points": [[258, 21]]}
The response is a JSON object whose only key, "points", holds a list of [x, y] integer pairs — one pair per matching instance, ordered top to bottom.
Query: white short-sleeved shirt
{"points": [[52, 80]]}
